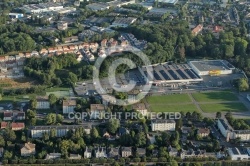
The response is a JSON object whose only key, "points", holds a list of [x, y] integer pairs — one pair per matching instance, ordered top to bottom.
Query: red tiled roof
{"points": [[4, 125], [17, 125]]}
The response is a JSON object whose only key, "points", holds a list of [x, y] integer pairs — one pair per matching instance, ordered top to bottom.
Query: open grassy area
{"points": [[57, 89], [215, 96], [9, 99], [168, 99], [223, 107], [173, 108]]}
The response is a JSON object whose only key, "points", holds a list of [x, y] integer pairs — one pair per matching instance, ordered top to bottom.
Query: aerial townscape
{"points": [[67, 68]]}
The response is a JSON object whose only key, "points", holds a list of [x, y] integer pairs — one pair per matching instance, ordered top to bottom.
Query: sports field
{"points": [[59, 92], [215, 96], [168, 99], [209, 102], [223, 107], [173, 108]]}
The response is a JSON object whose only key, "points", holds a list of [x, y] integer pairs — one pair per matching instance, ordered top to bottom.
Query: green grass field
{"points": [[58, 91], [215, 96], [7, 99], [168, 99], [223, 107], [173, 108]]}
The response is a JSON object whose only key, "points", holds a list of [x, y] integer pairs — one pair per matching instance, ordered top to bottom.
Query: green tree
{"points": [[243, 84], [52, 99], [33, 103], [218, 115], [59, 118], [113, 125], [94, 133], [140, 139], [2, 141], [7, 154]]}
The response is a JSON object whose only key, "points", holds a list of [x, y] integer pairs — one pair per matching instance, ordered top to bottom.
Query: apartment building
{"points": [[42, 103], [68, 106], [163, 125], [38, 131], [229, 133]]}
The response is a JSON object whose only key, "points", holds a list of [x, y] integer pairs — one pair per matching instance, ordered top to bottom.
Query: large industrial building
{"points": [[42, 7], [211, 67], [192, 72], [170, 73]]}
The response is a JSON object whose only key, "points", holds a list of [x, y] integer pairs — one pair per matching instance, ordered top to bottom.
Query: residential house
{"points": [[62, 25], [197, 29], [218, 29], [71, 39], [104, 43], [44, 51], [34, 53], [27, 54], [2, 59], [42, 103], [68, 106], [141, 108], [96, 111], [19, 115], [7, 116], [4, 125], [163, 125], [17, 126], [186, 130], [38, 131], [122, 131], [203, 132], [28, 149], [1, 151], [126, 151], [172, 151], [100, 152], [141, 152], [87, 153], [113, 153], [155, 153], [191, 153], [53, 156], [74, 156]]}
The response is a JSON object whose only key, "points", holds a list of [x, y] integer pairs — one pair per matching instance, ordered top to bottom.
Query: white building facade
{"points": [[163, 125]]}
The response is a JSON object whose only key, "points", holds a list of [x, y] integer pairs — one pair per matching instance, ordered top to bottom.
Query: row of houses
{"points": [[13, 115], [13, 126], [229, 133], [116, 152]]}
